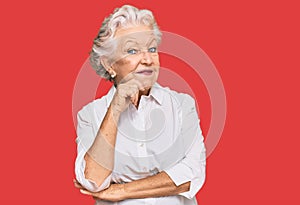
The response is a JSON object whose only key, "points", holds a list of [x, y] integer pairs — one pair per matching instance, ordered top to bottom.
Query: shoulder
{"points": [[182, 98], [101, 102], [94, 107]]}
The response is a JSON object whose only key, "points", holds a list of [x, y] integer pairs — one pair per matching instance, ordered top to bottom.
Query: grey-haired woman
{"points": [[140, 143]]}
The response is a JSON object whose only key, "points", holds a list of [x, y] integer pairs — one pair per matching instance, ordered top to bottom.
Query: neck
{"points": [[145, 92]]}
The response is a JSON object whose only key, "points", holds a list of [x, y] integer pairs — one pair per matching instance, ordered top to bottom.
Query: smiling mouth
{"points": [[145, 72]]}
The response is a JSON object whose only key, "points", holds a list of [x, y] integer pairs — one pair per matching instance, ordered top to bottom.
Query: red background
{"points": [[254, 45]]}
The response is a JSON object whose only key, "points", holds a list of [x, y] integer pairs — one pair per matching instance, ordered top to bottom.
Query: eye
{"points": [[152, 50], [132, 51]]}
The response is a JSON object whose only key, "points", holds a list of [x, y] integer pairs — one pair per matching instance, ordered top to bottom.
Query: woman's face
{"points": [[136, 55]]}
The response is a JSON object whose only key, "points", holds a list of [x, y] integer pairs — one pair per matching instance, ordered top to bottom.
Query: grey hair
{"points": [[123, 17]]}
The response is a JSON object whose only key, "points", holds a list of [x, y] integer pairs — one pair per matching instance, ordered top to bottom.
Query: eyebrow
{"points": [[131, 40], [151, 40], [134, 41]]}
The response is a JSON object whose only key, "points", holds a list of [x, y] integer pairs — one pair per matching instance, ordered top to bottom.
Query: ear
{"points": [[105, 63]]}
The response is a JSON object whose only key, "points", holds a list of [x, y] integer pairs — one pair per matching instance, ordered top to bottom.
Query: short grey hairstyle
{"points": [[122, 17]]}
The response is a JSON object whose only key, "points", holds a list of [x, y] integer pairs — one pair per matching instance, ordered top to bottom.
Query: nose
{"points": [[146, 58]]}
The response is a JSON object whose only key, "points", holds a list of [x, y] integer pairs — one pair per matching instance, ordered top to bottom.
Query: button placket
{"points": [[141, 144]]}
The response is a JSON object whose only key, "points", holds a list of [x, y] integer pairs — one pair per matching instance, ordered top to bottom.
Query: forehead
{"points": [[139, 34]]}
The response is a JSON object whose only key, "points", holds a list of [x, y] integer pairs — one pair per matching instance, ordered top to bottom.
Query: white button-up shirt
{"points": [[163, 134]]}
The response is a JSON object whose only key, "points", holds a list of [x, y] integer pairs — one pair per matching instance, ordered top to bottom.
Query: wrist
{"points": [[115, 112], [127, 192]]}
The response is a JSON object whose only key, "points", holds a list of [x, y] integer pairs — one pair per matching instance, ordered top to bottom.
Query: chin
{"points": [[148, 80], [151, 82]]}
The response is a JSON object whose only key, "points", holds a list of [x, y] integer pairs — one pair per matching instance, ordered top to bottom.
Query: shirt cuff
{"points": [[180, 174]]}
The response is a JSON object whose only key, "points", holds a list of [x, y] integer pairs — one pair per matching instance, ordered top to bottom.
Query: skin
{"points": [[136, 52], [159, 185]]}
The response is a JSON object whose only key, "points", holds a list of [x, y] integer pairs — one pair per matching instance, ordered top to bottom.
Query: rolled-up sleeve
{"points": [[85, 138], [192, 166]]}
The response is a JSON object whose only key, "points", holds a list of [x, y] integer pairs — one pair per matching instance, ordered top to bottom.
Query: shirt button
{"points": [[142, 145], [144, 169]]}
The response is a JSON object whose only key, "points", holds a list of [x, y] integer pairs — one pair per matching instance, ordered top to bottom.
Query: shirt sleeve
{"points": [[85, 138], [192, 166]]}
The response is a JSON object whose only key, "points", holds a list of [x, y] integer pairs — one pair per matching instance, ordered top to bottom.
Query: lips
{"points": [[145, 72]]}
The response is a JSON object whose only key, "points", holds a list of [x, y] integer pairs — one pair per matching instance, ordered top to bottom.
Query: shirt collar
{"points": [[156, 92]]}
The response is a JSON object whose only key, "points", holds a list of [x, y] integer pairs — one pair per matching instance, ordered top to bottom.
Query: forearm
{"points": [[100, 156], [154, 186]]}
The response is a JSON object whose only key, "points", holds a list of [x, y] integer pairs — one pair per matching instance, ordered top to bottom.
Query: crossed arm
{"points": [[154, 186]]}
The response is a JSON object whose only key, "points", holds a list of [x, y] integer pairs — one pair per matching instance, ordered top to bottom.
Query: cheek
{"points": [[156, 59], [133, 62], [126, 65]]}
